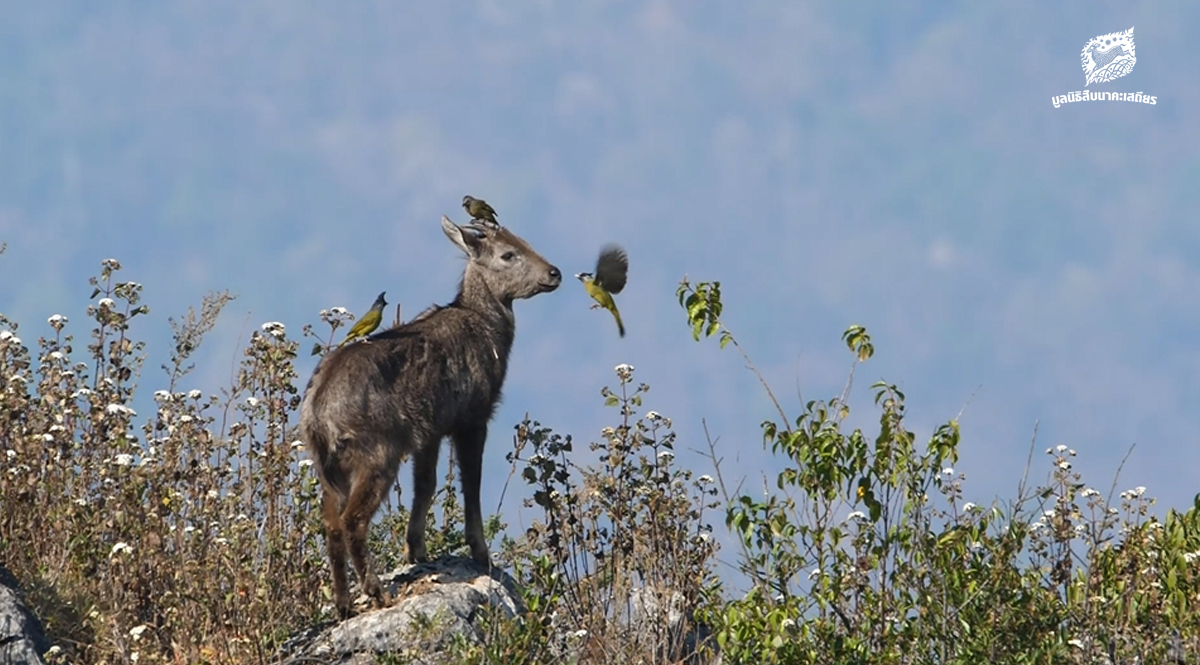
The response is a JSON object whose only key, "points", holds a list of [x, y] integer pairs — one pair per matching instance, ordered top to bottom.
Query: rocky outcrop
{"points": [[432, 605], [664, 614], [22, 641]]}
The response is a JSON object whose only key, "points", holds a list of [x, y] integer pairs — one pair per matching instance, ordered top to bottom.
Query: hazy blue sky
{"points": [[831, 164]]}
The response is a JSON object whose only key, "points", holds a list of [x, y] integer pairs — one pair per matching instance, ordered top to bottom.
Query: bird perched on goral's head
{"points": [[479, 209], [612, 271], [369, 321]]}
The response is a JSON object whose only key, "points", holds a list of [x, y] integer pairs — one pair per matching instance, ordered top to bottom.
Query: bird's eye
{"points": [[508, 256]]}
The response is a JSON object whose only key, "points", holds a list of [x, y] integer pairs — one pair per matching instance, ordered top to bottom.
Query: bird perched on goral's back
{"points": [[479, 209], [612, 271], [369, 321]]}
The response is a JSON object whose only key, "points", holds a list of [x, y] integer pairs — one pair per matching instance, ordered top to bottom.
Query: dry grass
{"points": [[192, 534]]}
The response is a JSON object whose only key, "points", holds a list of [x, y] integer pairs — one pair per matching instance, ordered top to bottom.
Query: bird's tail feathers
{"points": [[620, 326]]}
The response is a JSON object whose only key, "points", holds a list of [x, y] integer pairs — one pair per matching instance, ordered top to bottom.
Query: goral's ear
{"points": [[465, 238]]}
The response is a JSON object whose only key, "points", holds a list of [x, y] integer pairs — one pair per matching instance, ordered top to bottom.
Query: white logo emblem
{"points": [[1108, 57]]}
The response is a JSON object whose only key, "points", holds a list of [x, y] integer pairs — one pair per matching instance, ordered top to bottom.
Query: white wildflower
{"points": [[106, 303], [337, 311], [56, 320], [274, 329], [56, 355], [624, 371], [17, 377], [195, 394], [162, 396], [252, 402], [119, 409], [652, 415], [185, 418], [48, 438], [297, 445], [1059, 448], [1049, 451], [1071, 452], [10, 453], [665, 456], [123, 459], [305, 463], [1065, 466], [949, 471], [705, 479], [1139, 490], [1090, 492], [212, 495], [81, 501], [968, 507], [1049, 513], [856, 515], [1037, 526], [189, 528], [1080, 529], [221, 540], [119, 548], [1189, 557], [814, 573], [787, 623], [136, 631], [580, 634], [1075, 643], [54, 651]]}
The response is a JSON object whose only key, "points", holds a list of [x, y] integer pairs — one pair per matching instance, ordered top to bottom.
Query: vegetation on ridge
{"points": [[192, 534]]}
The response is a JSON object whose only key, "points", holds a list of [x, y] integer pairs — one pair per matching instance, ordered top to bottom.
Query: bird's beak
{"points": [[579, 276]]}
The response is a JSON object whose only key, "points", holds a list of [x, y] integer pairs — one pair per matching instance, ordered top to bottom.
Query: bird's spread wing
{"points": [[612, 268]]}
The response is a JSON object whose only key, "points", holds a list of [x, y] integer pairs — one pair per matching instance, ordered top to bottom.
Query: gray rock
{"points": [[433, 604], [662, 614], [22, 641]]}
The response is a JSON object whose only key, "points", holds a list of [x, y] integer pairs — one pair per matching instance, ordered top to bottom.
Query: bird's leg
{"points": [[595, 306]]}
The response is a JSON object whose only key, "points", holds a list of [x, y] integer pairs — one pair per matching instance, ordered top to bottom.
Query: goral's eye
{"points": [[508, 256]]}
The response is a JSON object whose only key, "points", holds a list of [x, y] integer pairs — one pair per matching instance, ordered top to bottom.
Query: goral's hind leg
{"points": [[366, 493], [335, 542]]}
